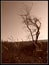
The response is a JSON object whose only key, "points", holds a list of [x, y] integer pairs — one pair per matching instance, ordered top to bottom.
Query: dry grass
{"points": [[18, 52]]}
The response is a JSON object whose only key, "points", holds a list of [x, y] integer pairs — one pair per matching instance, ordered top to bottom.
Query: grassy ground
{"points": [[19, 52]]}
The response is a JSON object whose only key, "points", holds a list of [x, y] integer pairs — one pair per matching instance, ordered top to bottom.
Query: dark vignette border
{"points": [[24, 0], [0, 30], [48, 39]]}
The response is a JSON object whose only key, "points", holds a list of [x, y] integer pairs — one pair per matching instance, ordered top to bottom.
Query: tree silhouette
{"points": [[36, 20], [32, 22]]}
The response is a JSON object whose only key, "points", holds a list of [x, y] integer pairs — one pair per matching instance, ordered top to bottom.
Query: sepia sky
{"points": [[12, 26]]}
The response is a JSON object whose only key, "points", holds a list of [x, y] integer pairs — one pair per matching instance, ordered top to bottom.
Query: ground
{"points": [[23, 52]]}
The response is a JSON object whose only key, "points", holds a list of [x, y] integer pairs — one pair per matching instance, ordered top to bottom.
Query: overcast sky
{"points": [[11, 22]]}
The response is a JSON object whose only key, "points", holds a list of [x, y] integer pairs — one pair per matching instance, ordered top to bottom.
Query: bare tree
{"points": [[32, 22], [38, 25]]}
